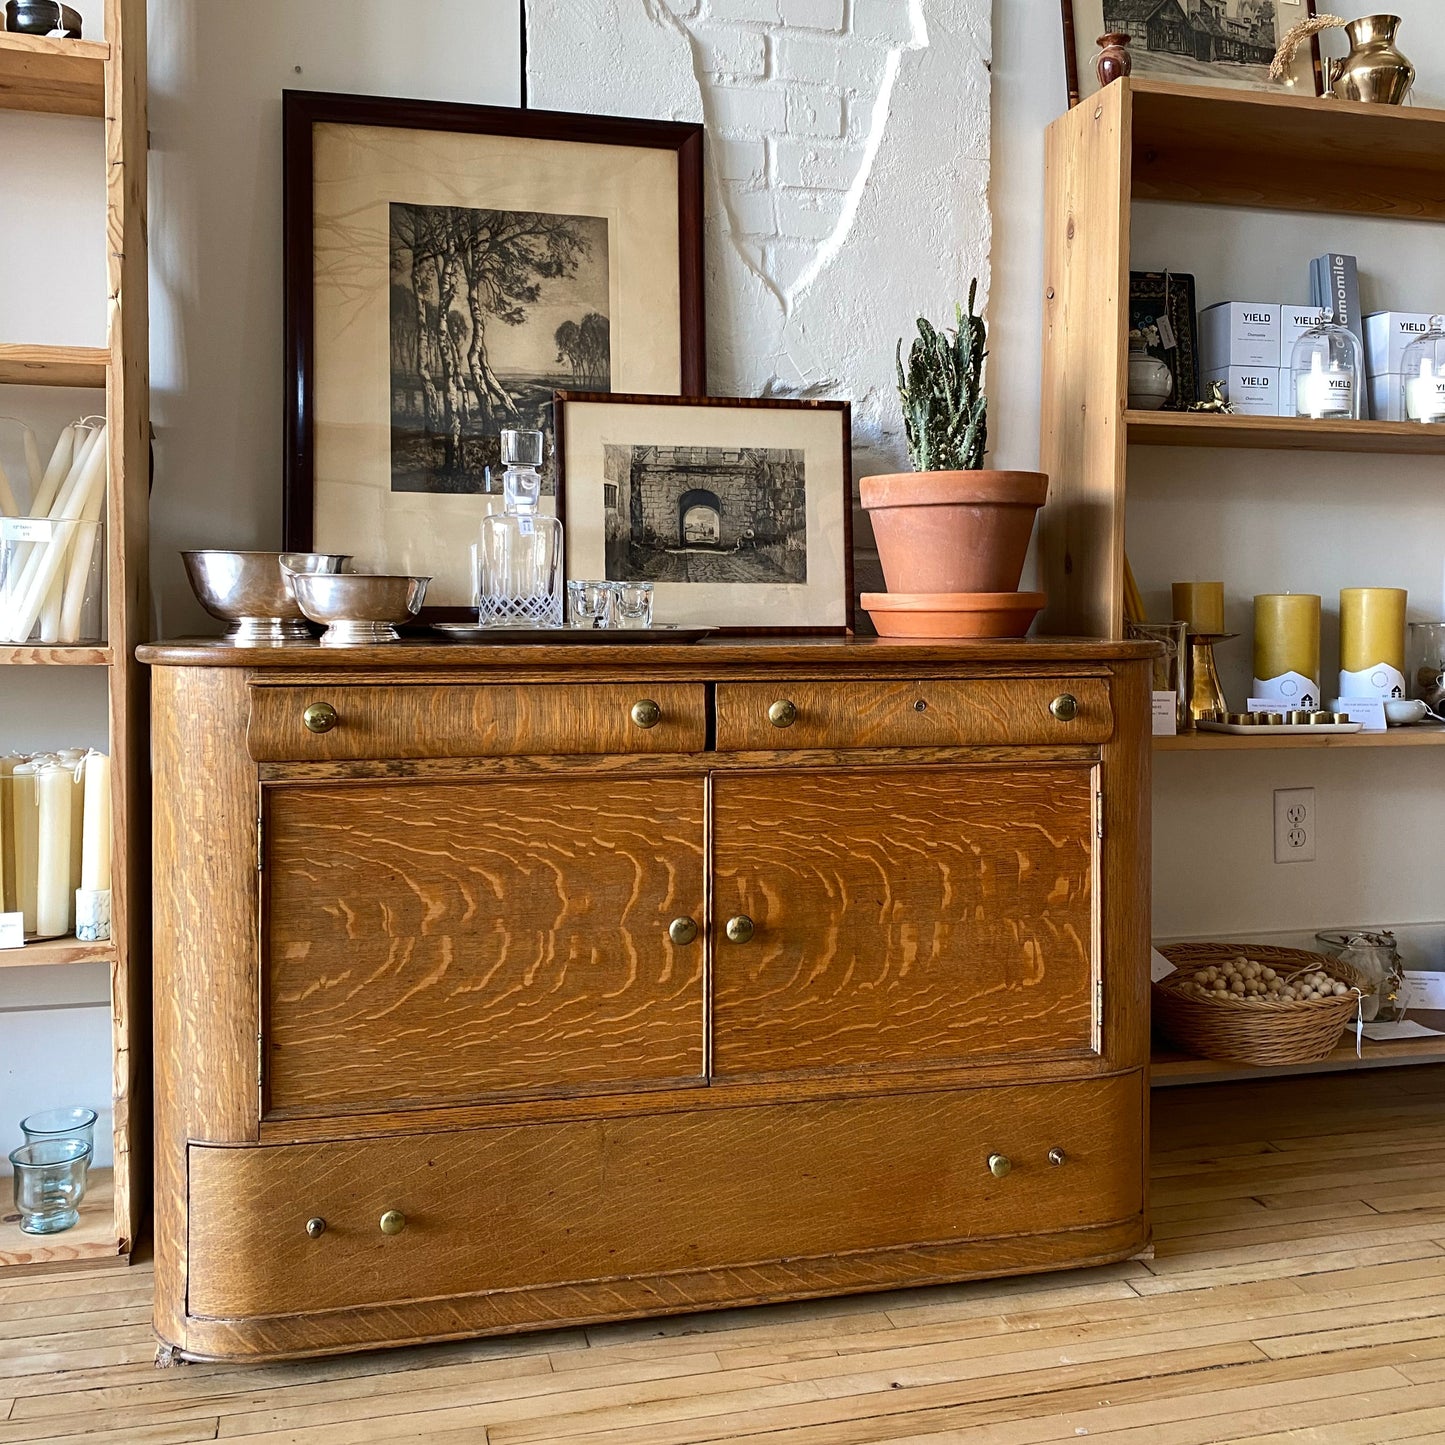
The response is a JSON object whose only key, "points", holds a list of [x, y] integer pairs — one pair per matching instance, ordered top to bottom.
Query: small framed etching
{"points": [[737, 511]]}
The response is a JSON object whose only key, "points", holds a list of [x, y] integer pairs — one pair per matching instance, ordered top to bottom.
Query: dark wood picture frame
{"points": [[1071, 52], [302, 111], [844, 410]]}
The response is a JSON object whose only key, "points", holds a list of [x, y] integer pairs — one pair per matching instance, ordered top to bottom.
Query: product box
{"points": [[1335, 283], [1294, 321], [1239, 333], [1387, 334], [1251, 390], [1387, 396]]}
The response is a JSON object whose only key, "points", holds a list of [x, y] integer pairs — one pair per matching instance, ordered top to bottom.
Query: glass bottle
{"points": [[1328, 370], [1422, 375], [519, 552]]}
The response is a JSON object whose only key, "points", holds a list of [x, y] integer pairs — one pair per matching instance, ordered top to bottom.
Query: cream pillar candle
{"points": [[1201, 605], [1372, 642], [1287, 648], [74, 760], [25, 815], [95, 846], [54, 897]]}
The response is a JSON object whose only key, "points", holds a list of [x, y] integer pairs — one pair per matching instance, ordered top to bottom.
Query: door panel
{"points": [[903, 916], [429, 943]]}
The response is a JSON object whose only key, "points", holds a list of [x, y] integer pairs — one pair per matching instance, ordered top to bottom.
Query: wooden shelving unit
{"points": [[107, 80], [1144, 140]]}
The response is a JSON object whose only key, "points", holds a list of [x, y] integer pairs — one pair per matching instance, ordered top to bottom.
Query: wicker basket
{"points": [[1254, 1030]]}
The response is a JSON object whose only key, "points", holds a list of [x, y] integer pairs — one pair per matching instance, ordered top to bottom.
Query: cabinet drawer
{"points": [[942, 713], [476, 721], [593, 1199]]}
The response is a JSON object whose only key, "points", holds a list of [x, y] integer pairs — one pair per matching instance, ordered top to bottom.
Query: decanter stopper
{"points": [[521, 482]]}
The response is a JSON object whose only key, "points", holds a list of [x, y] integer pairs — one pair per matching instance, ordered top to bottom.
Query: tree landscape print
{"points": [[490, 311]]}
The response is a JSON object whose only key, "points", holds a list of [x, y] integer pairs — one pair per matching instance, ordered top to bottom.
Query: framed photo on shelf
{"points": [[1191, 42], [447, 268], [1163, 324], [739, 512]]}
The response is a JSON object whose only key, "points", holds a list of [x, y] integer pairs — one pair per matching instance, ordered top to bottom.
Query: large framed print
{"points": [[447, 268], [739, 512]]}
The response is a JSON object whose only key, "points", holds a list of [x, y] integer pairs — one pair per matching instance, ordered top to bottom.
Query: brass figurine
{"points": [[1214, 403]]}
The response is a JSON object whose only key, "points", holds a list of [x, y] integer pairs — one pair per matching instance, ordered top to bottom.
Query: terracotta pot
{"points": [[953, 531], [953, 614]]}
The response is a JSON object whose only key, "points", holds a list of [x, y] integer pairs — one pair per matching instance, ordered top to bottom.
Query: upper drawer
{"points": [[946, 713], [474, 721]]}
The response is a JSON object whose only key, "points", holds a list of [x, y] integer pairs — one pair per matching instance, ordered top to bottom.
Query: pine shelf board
{"points": [[53, 76], [1213, 146], [53, 365], [1283, 433], [39, 655], [1420, 735], [53, 951], [92, 1240]]}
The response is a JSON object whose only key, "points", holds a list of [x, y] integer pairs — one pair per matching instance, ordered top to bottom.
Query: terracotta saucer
{"points": [[953, 614]]}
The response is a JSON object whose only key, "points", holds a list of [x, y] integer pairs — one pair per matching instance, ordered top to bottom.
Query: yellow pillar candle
{"points": [[1201, 605], [1372, 642], [1287, 646], [25, 839], [95, 844], [54, 897]]}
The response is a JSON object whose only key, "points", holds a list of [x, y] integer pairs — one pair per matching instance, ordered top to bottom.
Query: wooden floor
{"points": [[1297, 1295]]}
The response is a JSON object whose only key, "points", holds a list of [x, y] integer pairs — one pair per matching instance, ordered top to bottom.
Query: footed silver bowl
{"points": [[252, 591], [359, 608]]}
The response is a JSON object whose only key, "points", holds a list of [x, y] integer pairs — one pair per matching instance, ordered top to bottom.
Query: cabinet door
{"points": [[904, 916], [434, 942]]}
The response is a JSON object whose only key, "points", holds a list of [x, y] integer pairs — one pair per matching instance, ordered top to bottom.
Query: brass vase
{"points": [[1374, 71]]}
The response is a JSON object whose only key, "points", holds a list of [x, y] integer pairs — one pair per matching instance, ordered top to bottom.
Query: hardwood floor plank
{"points": [[1289, 1267]]}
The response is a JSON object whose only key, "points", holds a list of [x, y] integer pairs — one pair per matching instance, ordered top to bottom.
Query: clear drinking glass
{"points": [[519, 551], [591, 604], [634, 604], [1171, 672], [74, 1122], [50, 1183]]}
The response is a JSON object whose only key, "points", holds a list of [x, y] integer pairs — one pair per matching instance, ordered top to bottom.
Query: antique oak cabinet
{"points": [[501, 987]]}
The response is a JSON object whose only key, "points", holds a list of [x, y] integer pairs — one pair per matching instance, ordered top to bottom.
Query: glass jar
{"points": [[1328, 371], [1422, 375], [519, 552], [1425, 663], [1372, 953], [50, 1184]]}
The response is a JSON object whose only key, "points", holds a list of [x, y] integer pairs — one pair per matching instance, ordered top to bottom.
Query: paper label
{"points": [[1166, 332], [26, 529], [1381, 680], [1292, 688], [1370, 711], [1166, 714], [12, 930], [1159, 966], [1423, 989], [1405, 1029]]}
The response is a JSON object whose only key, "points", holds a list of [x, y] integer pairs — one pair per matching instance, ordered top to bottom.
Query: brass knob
{"points": [[1065, 707], [646, 714], [783, 714], [320, 717], [739, 929], [682, 930], [1057, 1156], [999, 1165], [393, 1222], [315, 1228]]}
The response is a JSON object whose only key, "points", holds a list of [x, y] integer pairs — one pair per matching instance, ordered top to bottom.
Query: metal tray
{"points": [[576, 636], [1251, 729]]}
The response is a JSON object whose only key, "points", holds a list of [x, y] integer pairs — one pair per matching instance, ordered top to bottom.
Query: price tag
{"points": [[1166, 333], [1166, 714], [12, 930], [1422, 988]]}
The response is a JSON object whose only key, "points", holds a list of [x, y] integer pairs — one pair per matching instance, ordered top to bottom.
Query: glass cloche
{"points": [[1329, 373], [1422, 375]]}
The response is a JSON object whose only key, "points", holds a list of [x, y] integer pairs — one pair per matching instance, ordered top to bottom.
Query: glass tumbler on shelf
{"points": [[1328, 369], [1422, 375], [519, 551], [52, 581], [591, 604], [634, 604], [1171, 672], [74, 1122], [50, 1183]]}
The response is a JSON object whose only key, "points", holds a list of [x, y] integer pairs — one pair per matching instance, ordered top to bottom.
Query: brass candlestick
{"points": [[1206, 696]]}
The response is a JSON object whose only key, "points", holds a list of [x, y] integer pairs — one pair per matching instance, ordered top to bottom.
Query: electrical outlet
{"points": [[1294, 825]]}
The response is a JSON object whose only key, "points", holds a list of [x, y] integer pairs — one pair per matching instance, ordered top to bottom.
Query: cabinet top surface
{"points": [[705, 656]]}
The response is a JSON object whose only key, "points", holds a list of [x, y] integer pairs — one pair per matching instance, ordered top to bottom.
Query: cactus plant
{"points": [[945, 413]]}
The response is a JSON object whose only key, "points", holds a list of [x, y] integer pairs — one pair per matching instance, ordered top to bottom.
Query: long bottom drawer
{"points": [[603, 1199]]}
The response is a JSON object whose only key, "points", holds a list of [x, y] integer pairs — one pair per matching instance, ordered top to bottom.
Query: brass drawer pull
{"points": [[1065, 707], [646, 714], [783, 714], [320, 717], [739, 929], [682, 930], [1057, 1155], [999, 1165], [393, 1222], [315, 1228]]}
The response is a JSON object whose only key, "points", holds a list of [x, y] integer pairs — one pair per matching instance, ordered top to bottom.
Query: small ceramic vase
{"points": [[1114, 59], [1374, 71], [1150, 381]]}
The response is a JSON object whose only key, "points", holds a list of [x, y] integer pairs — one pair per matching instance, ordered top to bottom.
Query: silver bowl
{"points": [[252, 591], [359, 608]]}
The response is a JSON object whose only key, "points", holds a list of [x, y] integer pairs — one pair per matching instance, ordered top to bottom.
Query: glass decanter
{"points": [[1328, 370], [1422, 378], [519, 553]]}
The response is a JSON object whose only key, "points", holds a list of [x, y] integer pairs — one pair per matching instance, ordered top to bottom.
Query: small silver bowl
{"points": [[42, 17], [252, 591], [359, 608]]}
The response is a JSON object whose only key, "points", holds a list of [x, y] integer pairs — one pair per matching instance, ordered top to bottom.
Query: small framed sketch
{"points": [[1190, 42], [739, 512]]}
